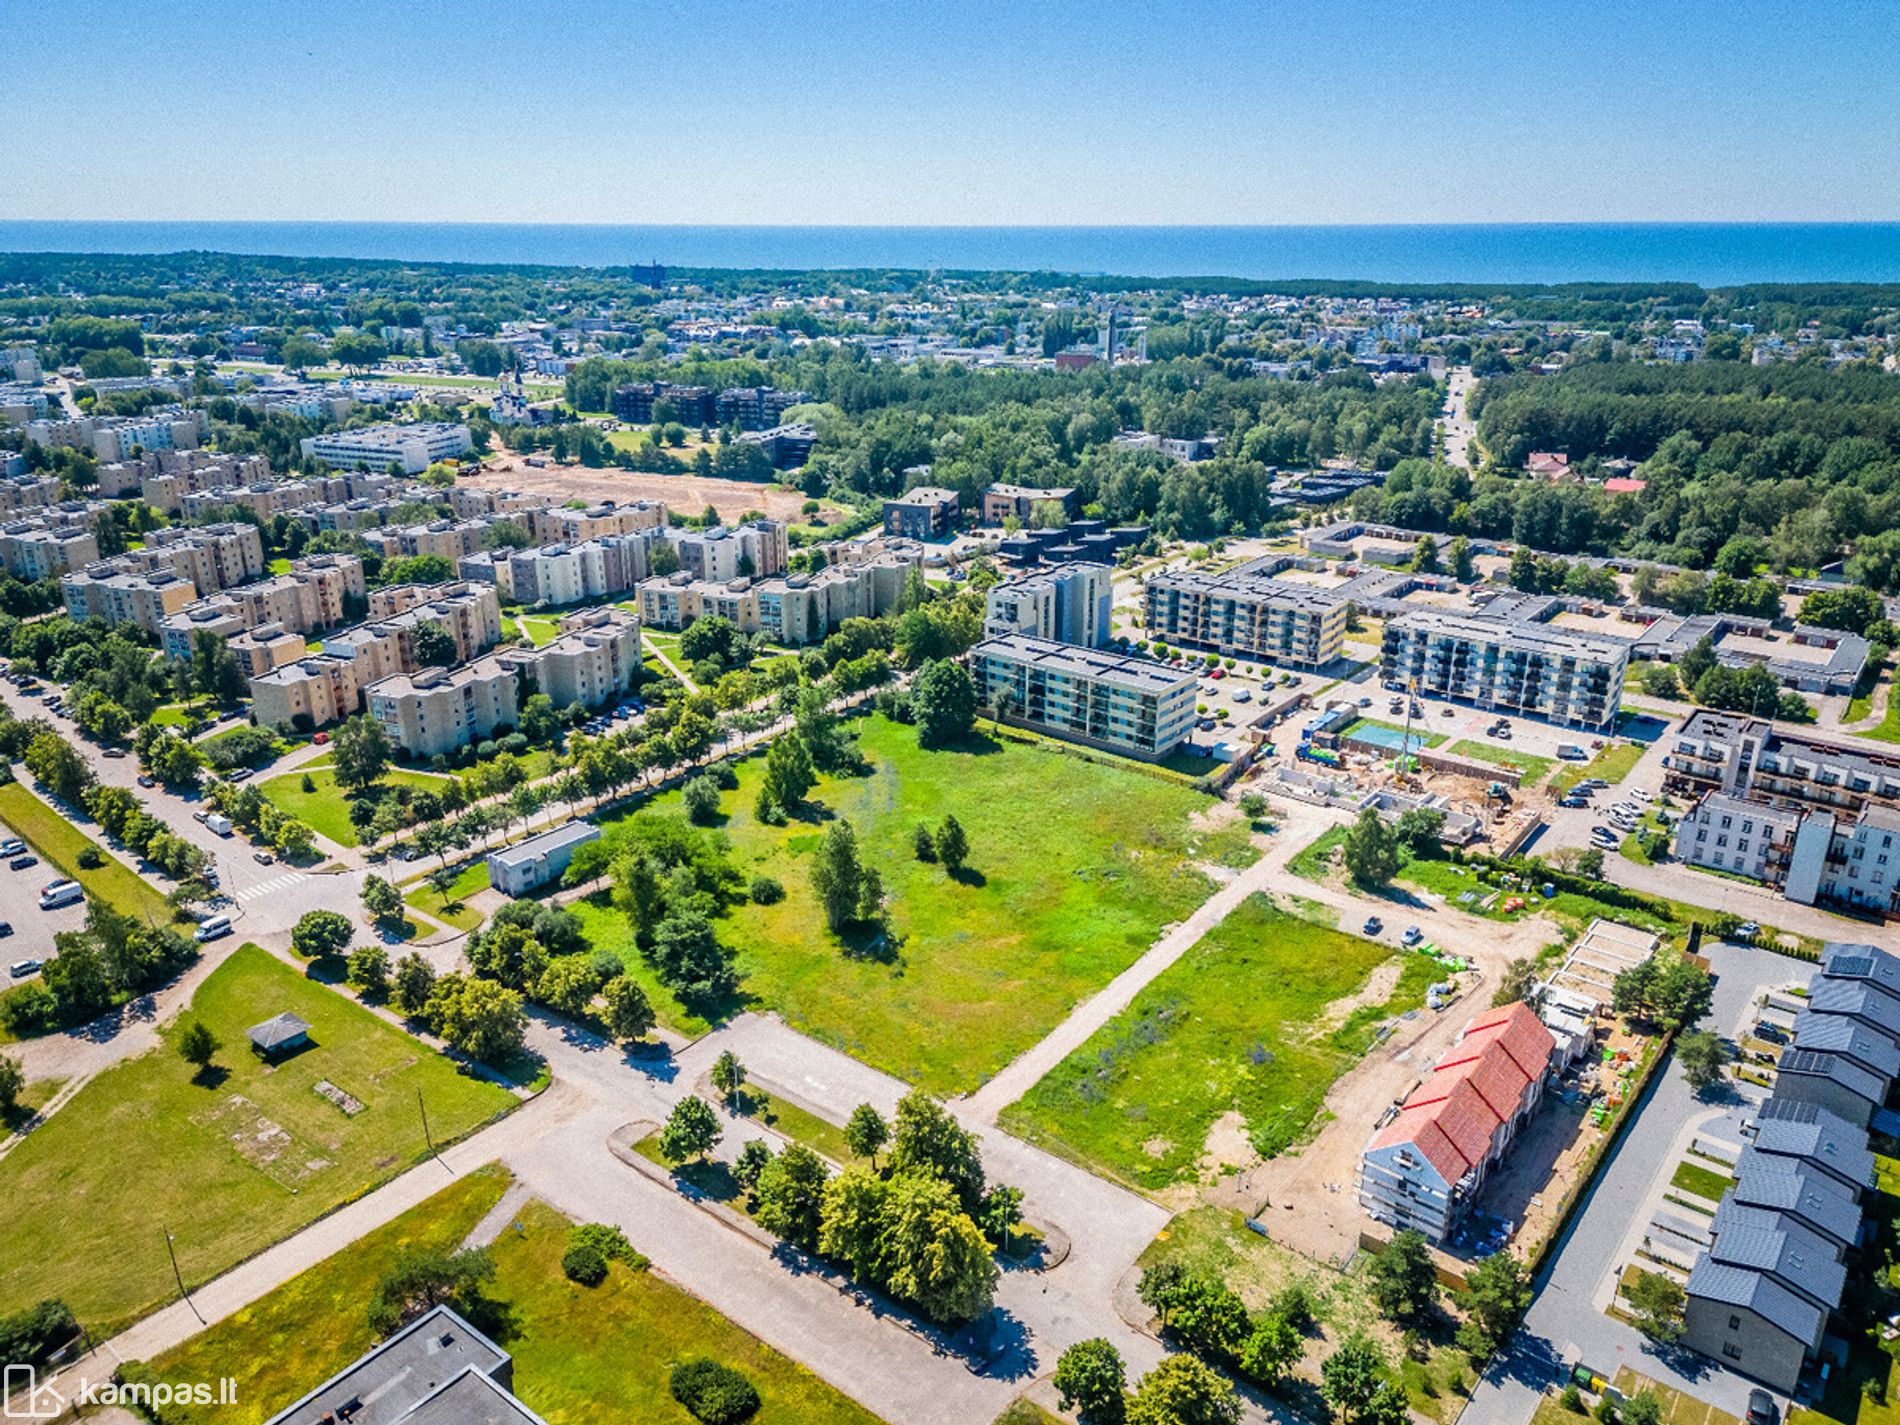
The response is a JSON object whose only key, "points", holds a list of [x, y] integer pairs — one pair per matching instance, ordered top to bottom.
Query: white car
{"points": [[1641, 795]]}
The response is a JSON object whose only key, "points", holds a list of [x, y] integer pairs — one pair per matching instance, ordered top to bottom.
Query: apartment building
{"points": [[689, 405], [755, 407], [118, 438], [786, 446], [410, 448], [162, 477], [21, 493], [265, 499], [1001, 502], [467, 503], [922, 512], [551, 524], [446, 539], [757, 549], [31, 550], [212, 556], [116, 595], [313, 595], [1068, 604], [795, 609], [470, 612], [1245, 614], [266, 647], [595, 658], [1508, 665], [1134, 706], [437, 710], [1427, 1163], [1760, 1297]]}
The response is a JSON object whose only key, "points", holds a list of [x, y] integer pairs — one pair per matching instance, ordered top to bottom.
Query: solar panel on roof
{"points": [[1851, 965]]}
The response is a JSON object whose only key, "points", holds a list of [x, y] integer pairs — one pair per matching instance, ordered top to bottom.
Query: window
{"points": [[1735, 1323], [1731, 1350]]}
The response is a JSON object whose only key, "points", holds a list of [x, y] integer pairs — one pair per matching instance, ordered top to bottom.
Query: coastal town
{"points": [[677, 844]]}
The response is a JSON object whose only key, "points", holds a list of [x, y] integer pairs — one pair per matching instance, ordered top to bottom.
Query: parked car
{"points": [[1243, 695], [321, 738], [113, 754], [242, 774], [147, 781], [1641, 795], [202, 815], [12, 846], [263, 858], [24, 860], [1374, 925], [6, 929], [212, 929], [1748, 930], [1412, 935], [20, 969], [1762, 1409]]}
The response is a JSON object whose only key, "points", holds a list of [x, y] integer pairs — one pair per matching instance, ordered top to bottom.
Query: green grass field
{"points": [[1612, 764], [1534, 768], [326, 811], [59, 842], [1074, 868], [449, 907], [607, 929], [1239, 1023], [820, 1135], [229, 1166], [1703, 1182], [313, 1325]]}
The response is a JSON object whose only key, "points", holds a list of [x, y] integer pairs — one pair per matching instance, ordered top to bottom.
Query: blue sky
{"points": [[916, 111]]}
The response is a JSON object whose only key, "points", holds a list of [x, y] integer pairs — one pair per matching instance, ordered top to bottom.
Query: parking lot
{"points": [[33, 929]]}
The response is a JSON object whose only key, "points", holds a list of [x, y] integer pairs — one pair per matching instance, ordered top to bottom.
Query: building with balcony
{"points": [[410, 448], [1001, 502], [922, 512], [1069, 603], [1245, 614], [594, 659], [1507, 665], [1134, 706], [437, 710], [1427, 1163]]}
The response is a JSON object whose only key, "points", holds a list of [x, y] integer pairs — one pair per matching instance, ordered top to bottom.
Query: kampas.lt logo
{"points": [[27, 1398]]}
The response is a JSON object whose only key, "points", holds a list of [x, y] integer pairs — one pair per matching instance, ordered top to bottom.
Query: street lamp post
{"points": [[179, 1276]]}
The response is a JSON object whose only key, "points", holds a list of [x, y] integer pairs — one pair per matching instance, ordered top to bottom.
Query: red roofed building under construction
{"points": [[1425, 1166]]}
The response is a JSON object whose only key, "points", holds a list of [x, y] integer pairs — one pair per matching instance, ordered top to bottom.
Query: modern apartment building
{"points": [[689, 405], [755, 407], [411, 448], [1001, 502], [922, 512], [757, 549], [1068, 604], [794, 609], [1245, 614], [594, 659], [1508, 665], [1134, 706], [437, 710], [1427, 1163], [1760, 1296]]}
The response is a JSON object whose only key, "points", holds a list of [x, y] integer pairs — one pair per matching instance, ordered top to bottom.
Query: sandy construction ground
{"points": [[685, 494]]}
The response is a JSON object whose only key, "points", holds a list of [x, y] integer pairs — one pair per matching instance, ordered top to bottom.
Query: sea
{"points": [[1711, 254]]}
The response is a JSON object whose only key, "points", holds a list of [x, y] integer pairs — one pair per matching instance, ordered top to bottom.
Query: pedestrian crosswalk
{"points": [[270, 887]]}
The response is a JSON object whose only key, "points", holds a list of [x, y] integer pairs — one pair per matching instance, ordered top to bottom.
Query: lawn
{"points": [[537, 629], [1888, 728], [1612, 764], [1533, 767], [326, 810], [59, 842], [1314, 862], [1074, 869], [448, 907], [607, 929], [1240, 1023], [800, 1125], [231, 1164], [1703, 1182], [313, 1325], [598, 1353], [1678, 1408]]}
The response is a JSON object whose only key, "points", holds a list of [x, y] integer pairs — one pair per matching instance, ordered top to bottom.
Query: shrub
{"points": [[90, 859], [766, 891], [584, 1263], [712, 1392]]}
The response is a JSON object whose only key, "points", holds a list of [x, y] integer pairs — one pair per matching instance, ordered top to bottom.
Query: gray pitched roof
{"points": [[1844, 960], [1865, 1000], [274, 1033], [1842, 1034], [1840, 1069], [1825, 1139], [1788, 1186], [1792, 1260], [1760, 1293]]}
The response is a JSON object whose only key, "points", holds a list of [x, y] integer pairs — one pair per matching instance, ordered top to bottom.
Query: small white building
{"points": [[516, 870]]}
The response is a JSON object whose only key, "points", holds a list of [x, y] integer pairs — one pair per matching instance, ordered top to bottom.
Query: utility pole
{"points": [[425, 1132], [179, 1276]]}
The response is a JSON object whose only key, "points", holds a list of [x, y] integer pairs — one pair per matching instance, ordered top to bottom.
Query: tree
{"points": [[1425, 555], [1462, 567], [712, 636], [434, 644], [1698, 660], [1660, 680], [944, 699], [817, 727], [360, 753], [58, 767], [789, 774], [701, 796], [1418, 830], [923, 845], [953, 846], [1370, 851], [837, 876], [870, 896], [381, 900], [321, 932], [369, 971], [414, 983], [1516, 983], [568, 986], [629, 1012], [479, 1017], [198, 1045], [1702, 1056], [728, 1074], [12, 1084], [692, 1130], [866, 1132], [928, 1140], [751, 1162], [791, 1195], [1002, 1214], [935, 1256], [426, 1277], [1404, 1280], [1496, 1296], [1657, 1299], [1271, 1349], [1091, 1380], [1352, 1381], [711, 1391], [1182, 1391], [1642, 1408]]}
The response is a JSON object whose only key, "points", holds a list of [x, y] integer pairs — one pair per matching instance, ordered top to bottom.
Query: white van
{"points": [[219, 824], [61, 893], [215, 928]]}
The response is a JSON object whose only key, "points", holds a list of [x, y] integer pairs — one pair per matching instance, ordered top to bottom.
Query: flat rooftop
{"points": [[1143, 675]]}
